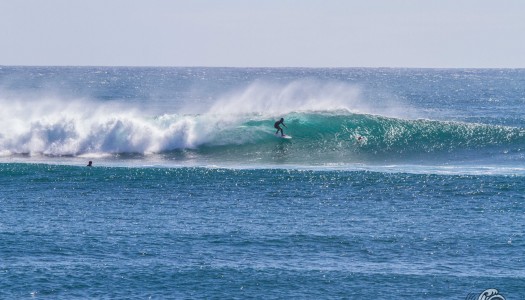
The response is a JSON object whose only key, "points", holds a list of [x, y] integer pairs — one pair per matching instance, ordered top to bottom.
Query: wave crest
{"points": [[330, 123]]}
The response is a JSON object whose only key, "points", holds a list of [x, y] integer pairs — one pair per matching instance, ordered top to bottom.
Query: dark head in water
{"points": [[90, 164]]}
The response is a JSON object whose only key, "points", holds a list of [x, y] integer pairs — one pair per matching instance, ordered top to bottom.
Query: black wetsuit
{"points": [[276, 125]]}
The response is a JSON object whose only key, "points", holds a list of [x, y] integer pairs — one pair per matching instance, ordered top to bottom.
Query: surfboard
{"points": [[283, 136]]}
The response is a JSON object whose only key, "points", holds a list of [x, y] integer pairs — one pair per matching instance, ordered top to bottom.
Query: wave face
{"points": [[230, 120], [340, 138]]}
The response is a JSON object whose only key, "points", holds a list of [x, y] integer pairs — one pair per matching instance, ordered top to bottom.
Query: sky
{"points": [[264, 33]]}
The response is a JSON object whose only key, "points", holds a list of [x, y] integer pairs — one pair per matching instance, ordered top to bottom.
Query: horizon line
{"points": [[256, 67]]}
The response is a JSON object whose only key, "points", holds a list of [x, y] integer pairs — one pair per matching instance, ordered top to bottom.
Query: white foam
{"points": [[75, 127]]}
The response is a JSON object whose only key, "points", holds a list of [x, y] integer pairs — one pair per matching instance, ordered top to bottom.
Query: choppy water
{"points": [[192, 196]]}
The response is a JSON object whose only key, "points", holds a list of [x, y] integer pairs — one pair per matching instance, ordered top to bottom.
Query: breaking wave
{"points": [[329, 123]]}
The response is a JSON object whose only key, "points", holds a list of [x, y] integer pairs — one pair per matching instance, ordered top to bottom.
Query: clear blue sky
{"points": [[264, 33]]}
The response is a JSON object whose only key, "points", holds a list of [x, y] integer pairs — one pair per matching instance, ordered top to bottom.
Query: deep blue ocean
{"points": [[396, 184]]}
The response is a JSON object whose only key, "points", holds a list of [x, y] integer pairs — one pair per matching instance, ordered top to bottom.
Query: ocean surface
{"points": [[396, 184]]}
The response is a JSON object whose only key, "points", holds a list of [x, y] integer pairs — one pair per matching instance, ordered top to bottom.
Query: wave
{"points": [[40, 123], [330, 123], [335, 136], [345, 137]]}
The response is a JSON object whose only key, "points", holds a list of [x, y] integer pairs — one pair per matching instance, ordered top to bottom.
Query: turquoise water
{"points": [[191, 195]]}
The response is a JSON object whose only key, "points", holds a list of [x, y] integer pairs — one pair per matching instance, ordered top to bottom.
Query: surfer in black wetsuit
{"points": [[276, 125]]}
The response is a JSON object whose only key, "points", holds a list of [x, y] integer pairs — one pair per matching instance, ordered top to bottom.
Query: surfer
{"points": [[276, 125], [90, 164]]}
